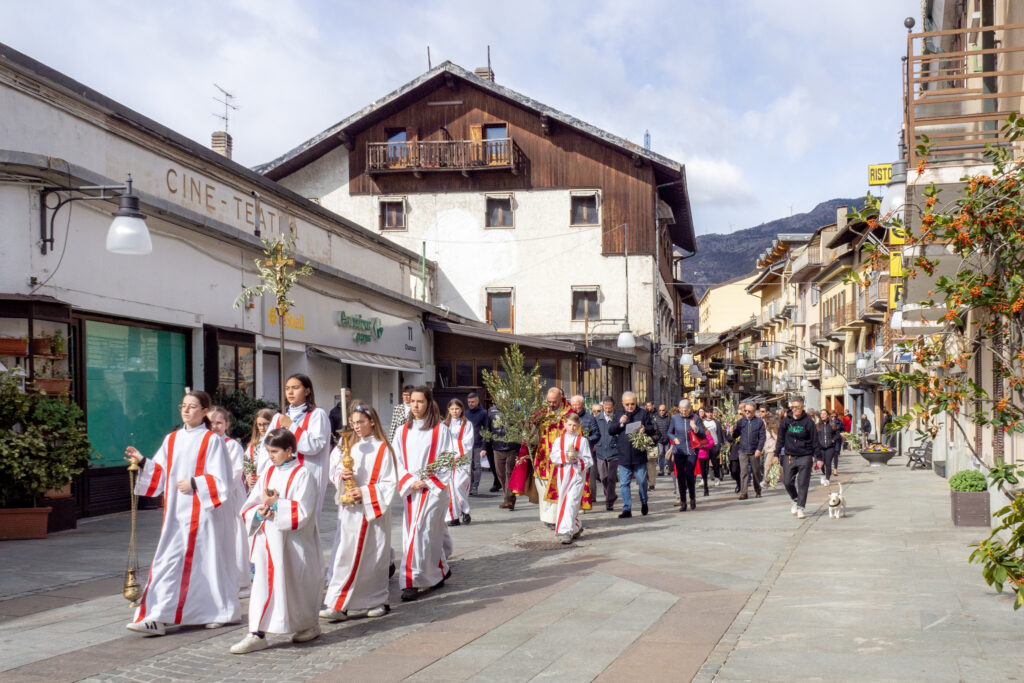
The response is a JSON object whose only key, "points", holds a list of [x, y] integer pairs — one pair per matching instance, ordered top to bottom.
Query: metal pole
{"points": [[423, 271], [280, 365]]}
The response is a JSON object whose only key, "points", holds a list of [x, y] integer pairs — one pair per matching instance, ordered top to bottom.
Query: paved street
{"points": [[728, 592]]}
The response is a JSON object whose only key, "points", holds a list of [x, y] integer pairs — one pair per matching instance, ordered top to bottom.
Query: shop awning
{"points": [[506, 338], [369, 360]]}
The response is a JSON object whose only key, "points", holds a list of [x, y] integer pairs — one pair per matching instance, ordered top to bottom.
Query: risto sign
{"points": [[879, 174], [364, 329]]}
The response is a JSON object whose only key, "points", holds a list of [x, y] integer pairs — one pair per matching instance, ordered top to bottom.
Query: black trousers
{"points": [[830, 460], [705, 465], [685, 466], [734, 470], [798, 477]]}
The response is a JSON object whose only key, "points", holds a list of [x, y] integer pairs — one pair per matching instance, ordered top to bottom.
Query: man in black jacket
{"points": [[661, 422], [799, 436], [748, 441], [503, 454], [632, 461]]}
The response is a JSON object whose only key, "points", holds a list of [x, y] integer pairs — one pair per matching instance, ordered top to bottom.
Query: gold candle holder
{"points": [[348, 462]]}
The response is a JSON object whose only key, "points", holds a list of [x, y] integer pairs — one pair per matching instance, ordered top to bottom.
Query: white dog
{"points": [[836, 504]]}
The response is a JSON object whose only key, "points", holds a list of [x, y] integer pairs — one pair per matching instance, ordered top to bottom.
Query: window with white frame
{"points": [[585, 208], [499, 211], [392, 213], [586, 303], [501, 309]]}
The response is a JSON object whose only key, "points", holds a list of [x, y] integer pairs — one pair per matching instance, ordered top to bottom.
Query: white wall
{"points": [[543, 257]]}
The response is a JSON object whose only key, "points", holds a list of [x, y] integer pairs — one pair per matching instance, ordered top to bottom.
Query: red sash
{"points": [[298, 434]]}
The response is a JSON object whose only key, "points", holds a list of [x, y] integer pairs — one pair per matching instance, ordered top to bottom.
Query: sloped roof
{"points": [[670, 175]]}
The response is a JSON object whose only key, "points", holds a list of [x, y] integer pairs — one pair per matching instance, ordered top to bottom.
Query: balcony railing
{"points": [[959, 86], [423, 156]]}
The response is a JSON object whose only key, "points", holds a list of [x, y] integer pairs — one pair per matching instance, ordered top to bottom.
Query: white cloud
{"points": [[717, 182]]}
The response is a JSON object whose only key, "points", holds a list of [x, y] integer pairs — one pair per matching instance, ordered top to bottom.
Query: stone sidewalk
{"points": [[731, 591]]}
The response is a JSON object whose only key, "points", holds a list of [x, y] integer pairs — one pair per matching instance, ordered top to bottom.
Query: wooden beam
{"points": [[449, 80], [545, 124], [347, 140]]}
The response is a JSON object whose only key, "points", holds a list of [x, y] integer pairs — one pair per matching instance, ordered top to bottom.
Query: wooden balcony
{"points": [[959, 85], [428, 156]]}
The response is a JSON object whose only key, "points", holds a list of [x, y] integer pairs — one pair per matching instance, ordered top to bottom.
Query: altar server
{"points": [[220, 422], [312, 429], [255, 452], [572, 459], [459, 479], [280, 518], [425, 540], [189, 580], [359, 583]]}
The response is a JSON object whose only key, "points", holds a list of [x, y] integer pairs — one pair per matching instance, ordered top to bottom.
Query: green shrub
{"points": [[243, 409], [968, 480]]}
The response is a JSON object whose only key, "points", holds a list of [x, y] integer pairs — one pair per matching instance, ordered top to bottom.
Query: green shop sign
{"points": [[365, 330]]}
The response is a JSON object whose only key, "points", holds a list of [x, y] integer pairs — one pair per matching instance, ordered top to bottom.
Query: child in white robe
{"points": [[220, 422], [312, 429], [255, 452], [570, 455], [458, 481], [279, 515], [425, 541], [193, 578], [359, 582]]}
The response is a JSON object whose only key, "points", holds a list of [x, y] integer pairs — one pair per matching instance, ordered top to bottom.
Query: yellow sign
{"points": [[879, 174], [895, 264], [895, 294], [296, 322]]}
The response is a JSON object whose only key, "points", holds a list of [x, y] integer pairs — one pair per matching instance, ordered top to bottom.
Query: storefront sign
{"points": [[879, 174], [198, 194], [895, 264], [895, 295], [292, 320], [365, 330]]}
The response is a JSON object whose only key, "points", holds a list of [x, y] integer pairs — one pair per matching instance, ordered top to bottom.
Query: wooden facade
{"points": [[553, 156]]}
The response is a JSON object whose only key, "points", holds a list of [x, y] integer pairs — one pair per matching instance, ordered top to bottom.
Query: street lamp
{"points": [[127, 234], [626, 340], [685, 359]]}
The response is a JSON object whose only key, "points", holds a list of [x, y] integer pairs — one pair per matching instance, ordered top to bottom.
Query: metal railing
{"points": [[959, 86], [443, 155]]}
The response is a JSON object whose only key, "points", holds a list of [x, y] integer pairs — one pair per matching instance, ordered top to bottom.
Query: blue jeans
{"points": [[626, 474]]}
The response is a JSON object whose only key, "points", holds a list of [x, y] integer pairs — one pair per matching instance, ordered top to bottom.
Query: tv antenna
{"points": [[228, 107], [647, 140]]}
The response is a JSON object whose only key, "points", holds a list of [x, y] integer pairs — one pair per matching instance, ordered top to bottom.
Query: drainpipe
{"points": [[423, 271]]}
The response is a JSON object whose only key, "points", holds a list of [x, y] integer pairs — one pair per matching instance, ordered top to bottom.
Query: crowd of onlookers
{"points": [[756, 447]]}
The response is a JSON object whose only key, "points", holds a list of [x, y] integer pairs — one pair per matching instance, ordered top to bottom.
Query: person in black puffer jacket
{"points": [[799, 436]]}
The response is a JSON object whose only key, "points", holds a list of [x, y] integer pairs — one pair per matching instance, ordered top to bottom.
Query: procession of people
{"points": [[244, 521]]}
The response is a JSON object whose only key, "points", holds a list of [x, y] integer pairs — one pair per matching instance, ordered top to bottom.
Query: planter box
{"points": [[13, 346], [41, 347], [51, 386], [877, 458], [939, 467], [64, 492], [970, 508], [23, 523]]}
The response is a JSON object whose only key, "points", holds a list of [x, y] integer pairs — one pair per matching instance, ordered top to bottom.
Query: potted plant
{"points": [[58, 344], [13, 346], [43, 445], [877, 454], [969, 500]]}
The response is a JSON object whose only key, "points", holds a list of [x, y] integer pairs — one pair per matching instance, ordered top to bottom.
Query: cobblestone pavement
{"points": [[730, 591]]}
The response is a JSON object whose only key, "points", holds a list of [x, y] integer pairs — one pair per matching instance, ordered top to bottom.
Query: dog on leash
{"points": [[836, 504]]}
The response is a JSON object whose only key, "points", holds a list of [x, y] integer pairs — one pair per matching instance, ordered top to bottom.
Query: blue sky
{"points": [[773, 105]]}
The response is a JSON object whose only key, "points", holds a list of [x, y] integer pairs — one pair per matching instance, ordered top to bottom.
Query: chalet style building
{"points": [[540, 224]]}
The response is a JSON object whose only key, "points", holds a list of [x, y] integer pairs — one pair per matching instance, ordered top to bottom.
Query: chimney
{"points": [[485, 73], [221, 143], [841, 212]]}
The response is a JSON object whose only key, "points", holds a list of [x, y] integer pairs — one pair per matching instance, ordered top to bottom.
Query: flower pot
{"points": [[13, 346], [41, 346], [51, 386], [877, 458], [63, 492], [970, 508], [23, 523]]}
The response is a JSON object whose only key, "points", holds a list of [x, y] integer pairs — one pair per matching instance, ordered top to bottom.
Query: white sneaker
{"points": [[717, 481], [824, 481], [764, 484], [793, 509], [800, 513], [244, 592], [378, 611], [333, 615], [214, 624], [148, 628], [307, 635], [251, 643]]}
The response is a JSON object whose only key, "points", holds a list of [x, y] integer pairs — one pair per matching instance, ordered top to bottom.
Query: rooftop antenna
{"points": [[489, 58], [429, 66], [228, 107], [647, 140]]}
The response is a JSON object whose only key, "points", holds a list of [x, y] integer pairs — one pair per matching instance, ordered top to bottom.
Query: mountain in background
{"points": [[723, 257]]}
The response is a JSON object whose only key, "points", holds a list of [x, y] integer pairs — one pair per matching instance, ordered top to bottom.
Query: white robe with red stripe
{"points": [[312, 429], [571, 478], [458, 480], [238, 492], [425, 541], [194, 575], [359, 580], [285, 594]]}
